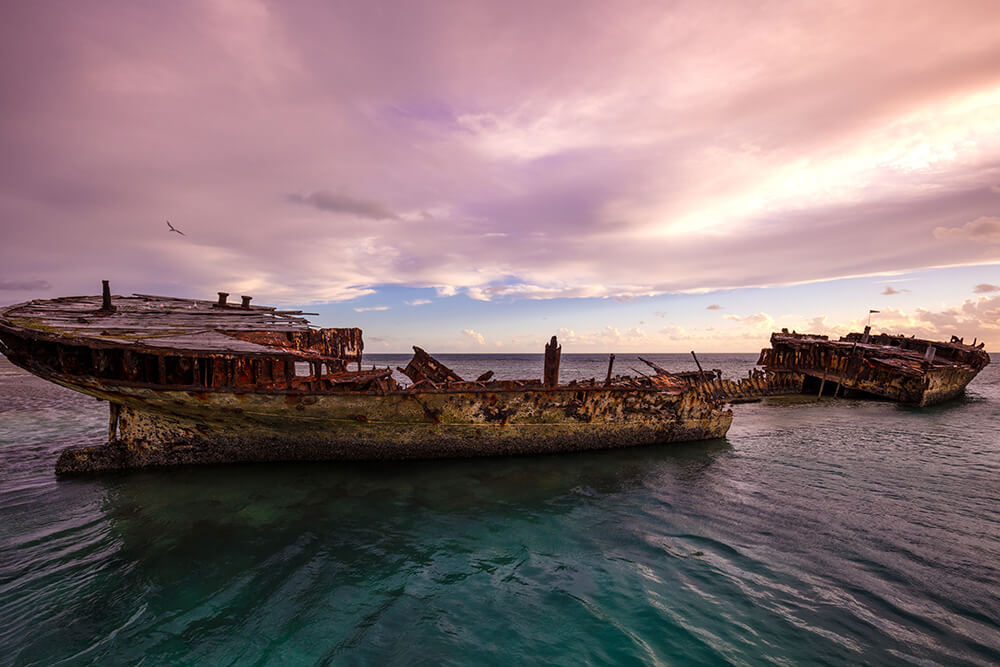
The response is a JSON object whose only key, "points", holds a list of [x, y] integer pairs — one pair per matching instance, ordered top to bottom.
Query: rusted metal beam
{"points": [[425, 367], [659, 369]]}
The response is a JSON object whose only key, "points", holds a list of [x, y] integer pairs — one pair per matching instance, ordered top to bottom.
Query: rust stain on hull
{"points": [[909, 370], [204, 382]]}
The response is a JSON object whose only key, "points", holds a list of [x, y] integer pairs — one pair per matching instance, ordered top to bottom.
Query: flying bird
{"points": [[174, 229]]}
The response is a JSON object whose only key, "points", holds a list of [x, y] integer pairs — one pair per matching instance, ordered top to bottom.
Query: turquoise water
{"points": [[839, 532]]}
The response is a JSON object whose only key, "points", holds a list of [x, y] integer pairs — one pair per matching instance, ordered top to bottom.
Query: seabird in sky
{"points": [[174, 229]]}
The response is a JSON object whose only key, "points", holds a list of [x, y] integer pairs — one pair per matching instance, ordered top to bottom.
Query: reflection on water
{"points": [[839, 532]]}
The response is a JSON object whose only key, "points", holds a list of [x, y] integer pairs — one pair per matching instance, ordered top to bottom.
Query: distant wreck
{"points": [[910, 370], [192, 381]]}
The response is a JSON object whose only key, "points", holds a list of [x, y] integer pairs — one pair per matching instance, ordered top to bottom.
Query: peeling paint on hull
{"points": [[909, 370], [157, 428]]}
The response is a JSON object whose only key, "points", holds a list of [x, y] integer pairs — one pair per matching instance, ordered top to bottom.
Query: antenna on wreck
{"points": [[870, 316]]}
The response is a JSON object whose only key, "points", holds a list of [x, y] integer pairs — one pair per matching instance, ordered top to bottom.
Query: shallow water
{"points": [[833, 532]]}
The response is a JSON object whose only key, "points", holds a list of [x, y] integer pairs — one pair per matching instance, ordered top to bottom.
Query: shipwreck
{"points": [[910, 370], [192, 381]]}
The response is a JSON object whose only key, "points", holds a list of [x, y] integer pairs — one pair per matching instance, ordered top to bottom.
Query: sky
{"points": [[478, 176]]}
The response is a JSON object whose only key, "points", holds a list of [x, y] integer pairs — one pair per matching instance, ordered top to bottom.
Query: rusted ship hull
{"points": [[908, 370], [262, 388], [156, 428]]}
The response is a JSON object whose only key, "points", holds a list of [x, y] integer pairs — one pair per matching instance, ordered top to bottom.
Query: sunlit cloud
{"points": [[314, 155], [985, 229], [761, 320], [475, 336]]}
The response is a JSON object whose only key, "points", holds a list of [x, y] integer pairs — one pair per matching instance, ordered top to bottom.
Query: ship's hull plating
{"points": [[156, 428]]}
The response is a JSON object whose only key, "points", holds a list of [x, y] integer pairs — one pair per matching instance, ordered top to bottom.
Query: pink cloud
{"points": [[476, 150]]}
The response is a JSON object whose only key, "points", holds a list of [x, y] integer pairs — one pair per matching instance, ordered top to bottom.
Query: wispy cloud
{"points": [[555, 172], [325, 200], [981, 229], [24, 285], [985, 288], [890, 291], [418, 302], [714, 306], [365, 309], [757, 319], [475, 335]]}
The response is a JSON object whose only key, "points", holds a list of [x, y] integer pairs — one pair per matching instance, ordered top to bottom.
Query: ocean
{"points": [[817, 532]]}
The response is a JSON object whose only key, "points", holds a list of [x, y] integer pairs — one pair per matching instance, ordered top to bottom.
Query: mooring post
{"points": [[222, 299], [246, 302], [553, 352], [611, 363]]}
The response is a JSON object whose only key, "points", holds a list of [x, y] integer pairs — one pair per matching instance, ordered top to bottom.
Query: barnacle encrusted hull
{"points": [[204, 382], [163, 428]]}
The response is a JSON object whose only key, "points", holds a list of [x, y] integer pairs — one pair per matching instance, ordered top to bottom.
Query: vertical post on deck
{"points": [[106, 306], [553, 352], [611, 363]]}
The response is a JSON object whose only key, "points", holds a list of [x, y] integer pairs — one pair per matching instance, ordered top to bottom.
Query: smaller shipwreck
{"points": [[910, 370], [191, 381]]}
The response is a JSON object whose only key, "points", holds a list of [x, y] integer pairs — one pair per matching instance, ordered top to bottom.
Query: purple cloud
{"points": [[494, 147], [325, 200], [24, 285]]}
